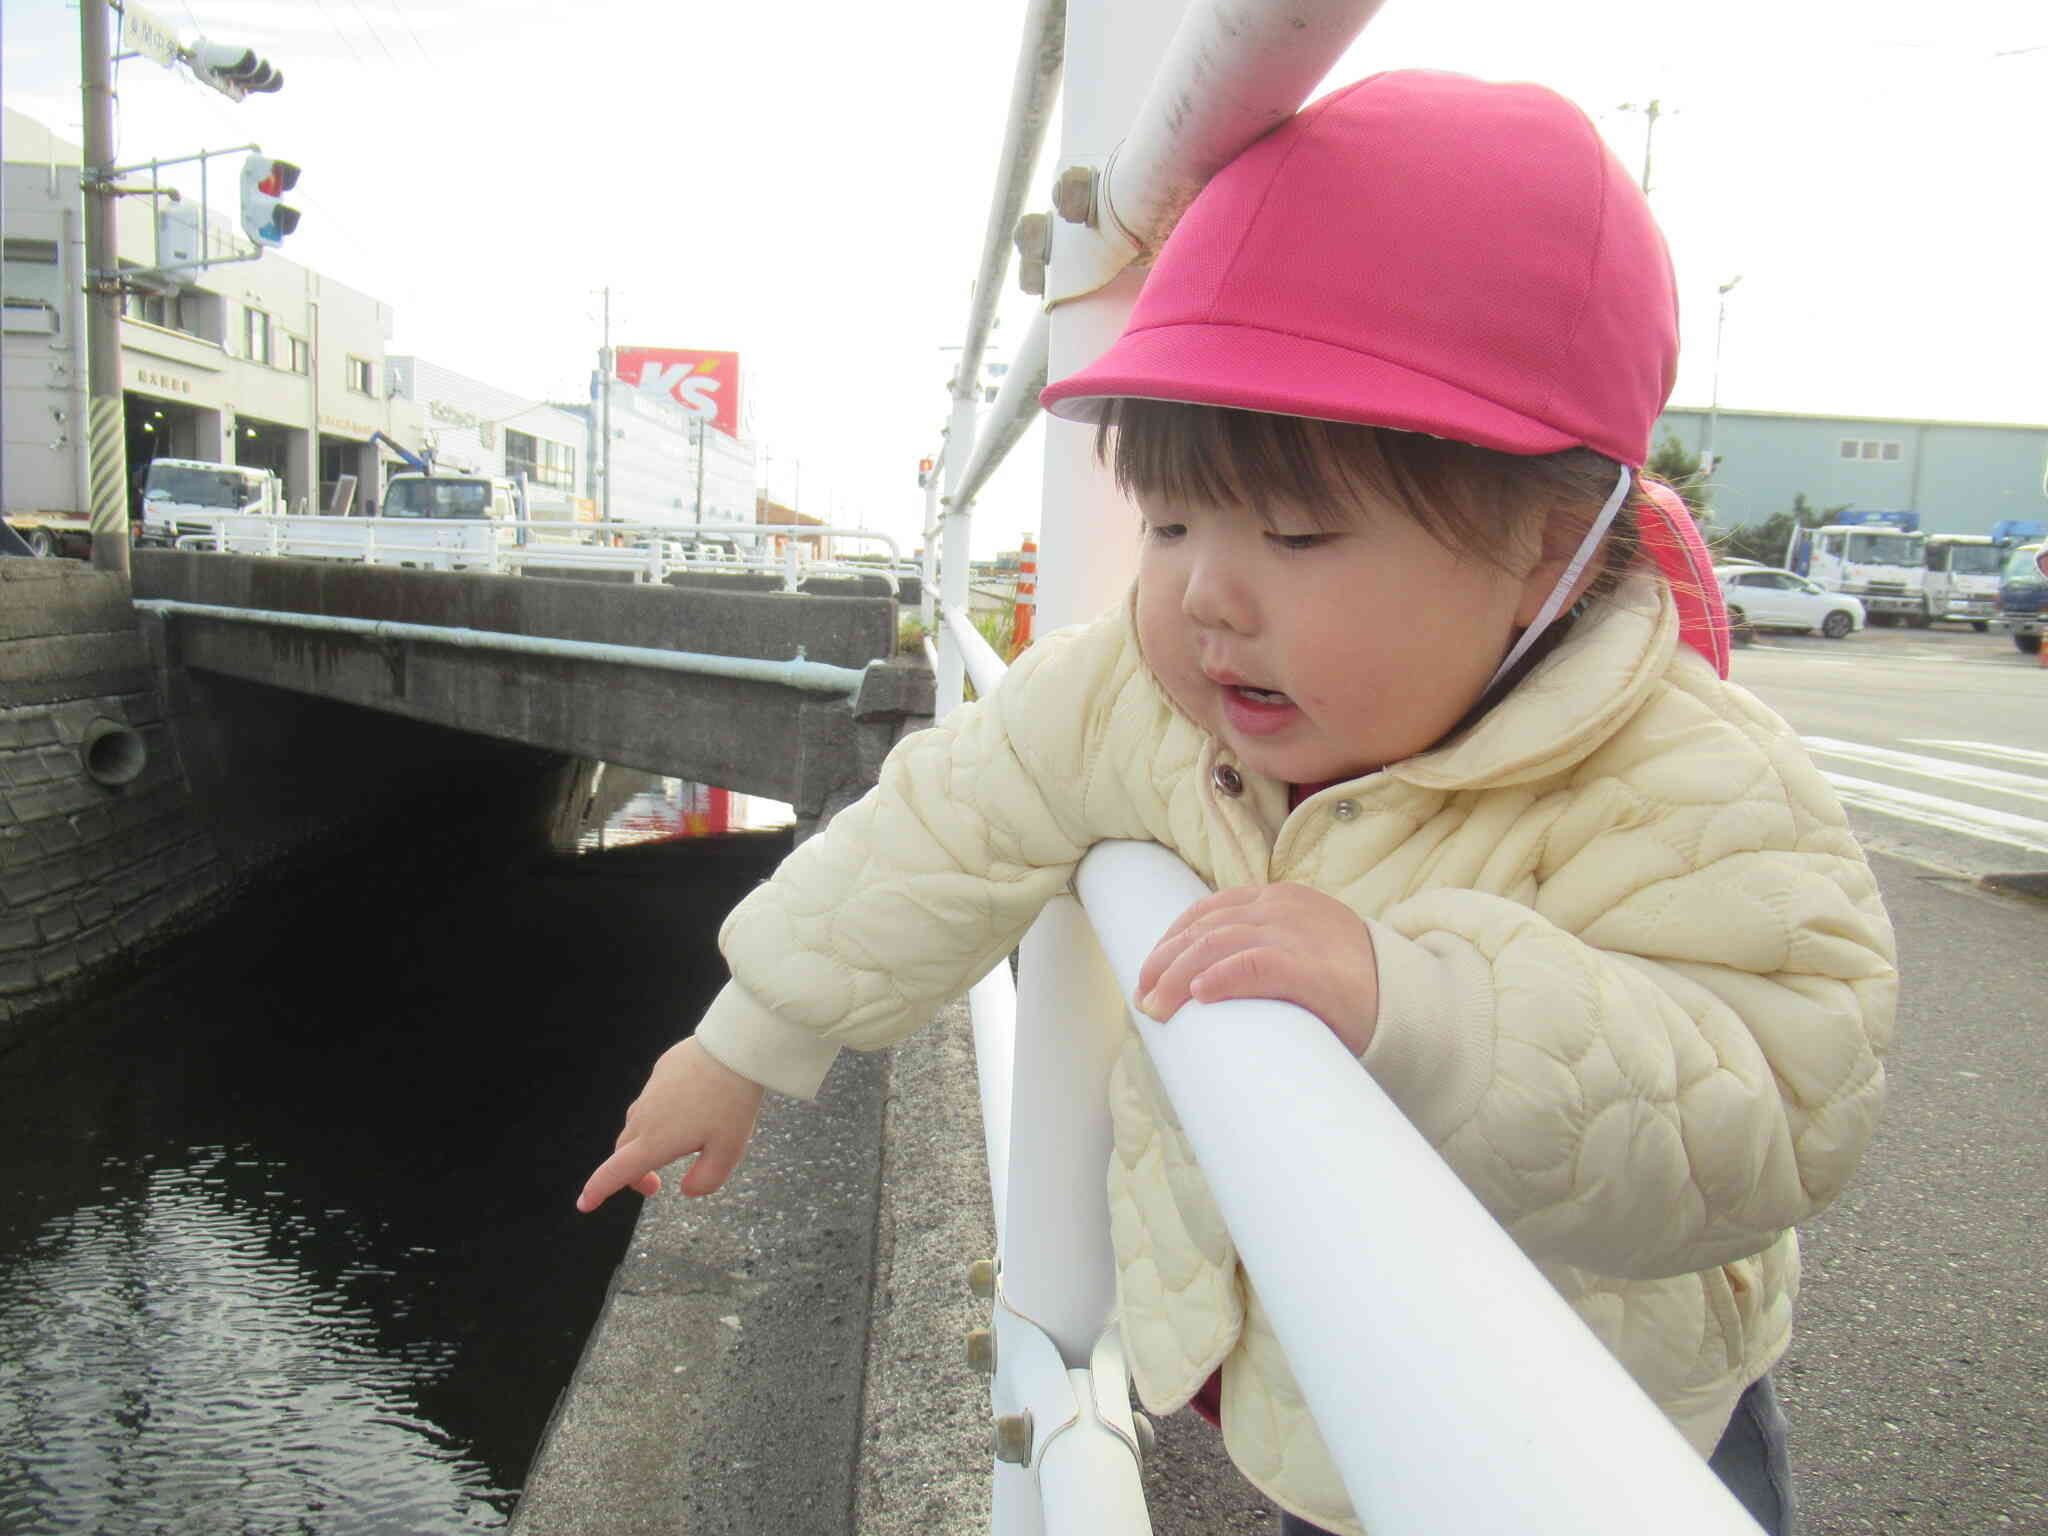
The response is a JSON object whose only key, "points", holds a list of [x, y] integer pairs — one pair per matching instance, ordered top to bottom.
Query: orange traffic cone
{"points": [[1027, 597]]}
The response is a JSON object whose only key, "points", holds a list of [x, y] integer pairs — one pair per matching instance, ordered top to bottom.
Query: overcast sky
{"points": [[806, 182]]}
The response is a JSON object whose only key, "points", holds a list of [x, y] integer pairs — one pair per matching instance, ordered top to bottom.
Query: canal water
{"points": [[287, 1241]]}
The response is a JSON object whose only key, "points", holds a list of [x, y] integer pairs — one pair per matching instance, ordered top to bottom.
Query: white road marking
{"points": [[1924, 658], [1985, 749], [1997, 780], [1947, 815]]}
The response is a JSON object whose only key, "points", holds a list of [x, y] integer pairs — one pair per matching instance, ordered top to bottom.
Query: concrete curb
{"points": [[720, 1392], [842, 1402], [925, 1443]]}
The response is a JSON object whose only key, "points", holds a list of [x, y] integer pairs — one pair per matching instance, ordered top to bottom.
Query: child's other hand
{"points": [[1285, 942], [692, 1103]]}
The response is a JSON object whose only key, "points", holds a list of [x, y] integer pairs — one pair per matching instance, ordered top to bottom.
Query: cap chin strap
{"points": [[1554, 604]]}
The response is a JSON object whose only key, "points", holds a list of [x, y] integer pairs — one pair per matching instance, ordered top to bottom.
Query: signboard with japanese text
{"points": [[147, 35], [705, 384]]}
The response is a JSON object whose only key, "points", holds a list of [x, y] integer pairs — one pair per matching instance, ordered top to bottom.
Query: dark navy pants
{"points": [[1750, 1460]]}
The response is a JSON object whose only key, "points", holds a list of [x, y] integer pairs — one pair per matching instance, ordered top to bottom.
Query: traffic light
{"points": [[233, 71], [264, 180], [924, 473]]}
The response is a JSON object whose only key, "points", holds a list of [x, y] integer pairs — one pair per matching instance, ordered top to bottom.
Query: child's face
{"points": [[1317, 655]]}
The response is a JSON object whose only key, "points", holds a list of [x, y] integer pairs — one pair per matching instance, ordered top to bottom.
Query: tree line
{"points": [[1762, 542]]}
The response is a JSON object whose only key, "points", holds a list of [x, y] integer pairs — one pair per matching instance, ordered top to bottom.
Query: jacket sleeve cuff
{"points": [[741, 1034], [1432, 1049]]}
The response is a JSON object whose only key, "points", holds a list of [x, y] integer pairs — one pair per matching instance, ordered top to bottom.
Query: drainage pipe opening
{"points": [[111, 753]]}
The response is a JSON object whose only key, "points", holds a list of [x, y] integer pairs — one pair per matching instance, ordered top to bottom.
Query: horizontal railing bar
{"points": [[1034, 87], [1015, 409], [984, 667], [810, 676], [1454, 1387]]}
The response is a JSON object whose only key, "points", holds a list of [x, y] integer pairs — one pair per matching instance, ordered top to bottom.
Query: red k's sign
{"points": [[705, 384]]}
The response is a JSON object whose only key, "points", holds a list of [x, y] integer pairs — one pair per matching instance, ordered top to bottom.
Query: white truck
{"points": [[189, 498], [439, 521], [431, 522], [1879, 557], [1962, 577]]}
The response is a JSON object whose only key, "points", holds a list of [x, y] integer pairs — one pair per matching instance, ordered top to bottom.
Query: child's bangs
{"points": [[1169, 451], [1479, 503]]}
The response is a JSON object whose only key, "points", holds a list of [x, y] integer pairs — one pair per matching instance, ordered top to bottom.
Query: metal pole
{"points": [[1035, 81], [1649, 138], [75, 266], [604, 375], [1714, 395], [107, 425], [703, 441], [955, 541], [928, 587], [1061, 1271]]}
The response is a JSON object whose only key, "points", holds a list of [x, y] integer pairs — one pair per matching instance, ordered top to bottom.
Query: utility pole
{"points": [[1650, 111], [1714, 395], [604, 411], [106, 423], [703, 439]]}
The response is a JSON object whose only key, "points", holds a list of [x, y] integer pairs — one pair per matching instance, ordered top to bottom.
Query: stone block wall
{"points": [[92, 874]]}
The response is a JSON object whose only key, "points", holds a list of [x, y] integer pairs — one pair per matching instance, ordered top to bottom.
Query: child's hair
{"points": [[1479, 503]]}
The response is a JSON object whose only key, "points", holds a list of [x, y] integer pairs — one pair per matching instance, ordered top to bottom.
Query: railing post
{"points": [[1088, 533], [956, 535], [929, 578], [1060, 1272]]}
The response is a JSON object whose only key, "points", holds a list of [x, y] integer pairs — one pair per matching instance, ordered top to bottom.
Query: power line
{"points": [[358, 4], [417, 43], [350, 46]]}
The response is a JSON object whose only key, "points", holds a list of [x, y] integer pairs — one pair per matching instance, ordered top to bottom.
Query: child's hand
{"points": [[1285, 942], [692, 1103]]}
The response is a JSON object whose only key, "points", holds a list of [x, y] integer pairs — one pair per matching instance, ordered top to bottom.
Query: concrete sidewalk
{"points": [[788, 1356]]}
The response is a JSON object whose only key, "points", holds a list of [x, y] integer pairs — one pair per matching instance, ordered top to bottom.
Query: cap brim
{"points": [[1250, 369]]}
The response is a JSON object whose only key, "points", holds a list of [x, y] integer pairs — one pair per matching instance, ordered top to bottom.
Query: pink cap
{"points": [[1418, 250]]}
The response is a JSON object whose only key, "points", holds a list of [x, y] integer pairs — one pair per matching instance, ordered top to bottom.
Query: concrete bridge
{"points": [[473, 652]]}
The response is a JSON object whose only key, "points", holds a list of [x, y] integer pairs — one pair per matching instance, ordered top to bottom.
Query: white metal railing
{"points": [[651, 552], [809, 676], [1475, 1400]]}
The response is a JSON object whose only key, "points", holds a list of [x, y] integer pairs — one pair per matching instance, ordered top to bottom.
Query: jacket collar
{"points": [[1570, 704]]}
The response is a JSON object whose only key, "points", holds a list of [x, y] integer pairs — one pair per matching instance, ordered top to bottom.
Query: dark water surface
{"points": [[286, 1235]]}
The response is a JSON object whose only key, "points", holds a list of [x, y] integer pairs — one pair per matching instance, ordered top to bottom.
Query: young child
{"points": [[1407, 677]]}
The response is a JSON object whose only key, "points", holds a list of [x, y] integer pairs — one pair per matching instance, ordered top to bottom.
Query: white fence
{"points": [[649, 552], [1455, 1390]]}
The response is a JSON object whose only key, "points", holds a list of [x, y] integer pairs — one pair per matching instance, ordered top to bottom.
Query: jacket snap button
{"points": [[1227, 779], [1344, 810]]}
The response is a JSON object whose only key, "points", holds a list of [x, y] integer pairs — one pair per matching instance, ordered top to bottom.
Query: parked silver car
{"points": [[1764, 597]]}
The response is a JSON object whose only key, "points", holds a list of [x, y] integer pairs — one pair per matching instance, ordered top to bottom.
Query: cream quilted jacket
{"points": [[1636, 985]]}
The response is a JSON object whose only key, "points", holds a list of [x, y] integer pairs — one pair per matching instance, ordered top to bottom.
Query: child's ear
{"points": [[1561, 538]]}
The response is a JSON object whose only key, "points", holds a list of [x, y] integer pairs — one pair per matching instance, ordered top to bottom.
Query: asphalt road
{"points": [[1937, 740]]}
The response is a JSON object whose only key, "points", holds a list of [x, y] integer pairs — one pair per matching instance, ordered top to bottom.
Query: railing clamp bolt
{"points": [[1073, 195], [1033, 239], [981, 1350], [1013, 1438]]}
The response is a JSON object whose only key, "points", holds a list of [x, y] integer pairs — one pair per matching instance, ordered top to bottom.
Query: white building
{"points": [[259, 362], [479, 428], [654, 462]]}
